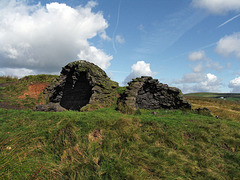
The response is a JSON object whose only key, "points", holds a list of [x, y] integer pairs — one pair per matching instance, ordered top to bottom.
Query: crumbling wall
{"points": [[148, 93]]}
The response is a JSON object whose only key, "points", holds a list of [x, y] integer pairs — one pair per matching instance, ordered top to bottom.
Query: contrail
{"points": [[228, 21], [115, 30]]}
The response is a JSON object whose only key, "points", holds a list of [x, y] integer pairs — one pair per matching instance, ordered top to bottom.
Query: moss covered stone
{"points": [[83, 86], [148, 93]]}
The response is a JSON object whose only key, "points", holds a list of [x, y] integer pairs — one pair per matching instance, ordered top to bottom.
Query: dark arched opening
{"points": [[76, 95]]}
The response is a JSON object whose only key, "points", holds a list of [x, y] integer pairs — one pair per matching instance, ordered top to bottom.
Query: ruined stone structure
{"points": [[82, 85], [148, 93]]}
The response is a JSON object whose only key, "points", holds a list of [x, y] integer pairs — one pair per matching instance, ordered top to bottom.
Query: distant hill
{"points": [[228, 96], [223, 105]]}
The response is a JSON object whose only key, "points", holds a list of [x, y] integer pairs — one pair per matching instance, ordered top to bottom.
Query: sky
{"points": [[190, 44]]}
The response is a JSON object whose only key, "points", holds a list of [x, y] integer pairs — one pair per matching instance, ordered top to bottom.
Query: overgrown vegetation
{"points": [[6, 79], [14, 93], [105, 144]]}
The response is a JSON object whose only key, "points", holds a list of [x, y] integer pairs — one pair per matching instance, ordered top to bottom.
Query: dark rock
{"points": [[82, 86], [148, 93], [51, 107], [203, 111]]}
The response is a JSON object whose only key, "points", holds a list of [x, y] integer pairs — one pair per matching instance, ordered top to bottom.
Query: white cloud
{"points": [[217, 6], [104, 36], [45, 38], [120, 39], [229, 45], [197, 55], [98, 56], [208, 63], [139, 69], [18, 72], [190, 78], [199, 82], [235, 85]]}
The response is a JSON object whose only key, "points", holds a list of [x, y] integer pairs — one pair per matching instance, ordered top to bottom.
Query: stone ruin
{"points": [[81, 86], [148, 93]]}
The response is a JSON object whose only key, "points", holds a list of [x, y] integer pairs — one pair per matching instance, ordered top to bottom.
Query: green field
{"points": [[227, 96], [106, 144]]}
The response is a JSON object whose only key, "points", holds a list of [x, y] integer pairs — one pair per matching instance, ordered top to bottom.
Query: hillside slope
{"points": [[226, 96], [227, 107], [105, 144]]}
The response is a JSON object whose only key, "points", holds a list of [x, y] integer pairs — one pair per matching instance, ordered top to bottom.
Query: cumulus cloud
{"points": [[217, 6], [45, 38], [120, 39], [229, 45], [197, 55], [204, 63], [139, 69], [199, 82], [235, 85]]}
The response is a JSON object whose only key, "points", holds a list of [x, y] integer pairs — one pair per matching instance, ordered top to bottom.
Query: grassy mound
{"points": [[17, 92], [105, 144]]}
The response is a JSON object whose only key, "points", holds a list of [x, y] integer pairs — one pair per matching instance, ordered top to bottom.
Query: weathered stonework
{"points": [[82, 86], [148, 93]]}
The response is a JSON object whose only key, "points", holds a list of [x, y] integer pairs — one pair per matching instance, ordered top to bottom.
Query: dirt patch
{"points": [[34, 90]]}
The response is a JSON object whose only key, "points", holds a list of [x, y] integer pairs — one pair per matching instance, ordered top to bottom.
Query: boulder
{"points": [[82, 86], [148, 93], [50, 107], [203, 111]]}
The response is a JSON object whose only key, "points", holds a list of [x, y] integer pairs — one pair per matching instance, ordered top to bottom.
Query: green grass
{"points": [[105, 144]]}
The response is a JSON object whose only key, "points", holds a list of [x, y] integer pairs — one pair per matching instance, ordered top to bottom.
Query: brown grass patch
{"points": [[221, 108]]}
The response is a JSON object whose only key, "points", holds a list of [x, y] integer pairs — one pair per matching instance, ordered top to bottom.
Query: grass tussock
{"points": [[105, 144]]}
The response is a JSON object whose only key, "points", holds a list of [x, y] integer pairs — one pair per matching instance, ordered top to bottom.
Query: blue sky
{"points": [[190, 44]]}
